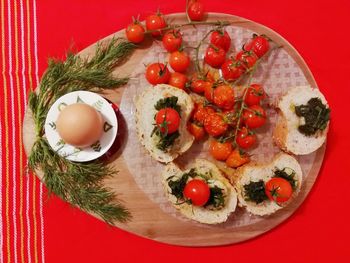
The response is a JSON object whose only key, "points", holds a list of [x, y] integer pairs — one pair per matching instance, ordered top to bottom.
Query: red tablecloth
{"points": [[35, 229]]}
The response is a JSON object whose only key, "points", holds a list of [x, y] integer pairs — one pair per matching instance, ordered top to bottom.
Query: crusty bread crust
{"points": [[144, 117], [286, 134], [256, 172], [201, 214]]}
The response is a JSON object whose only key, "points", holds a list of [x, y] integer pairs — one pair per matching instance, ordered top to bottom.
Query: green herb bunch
{"points": [[316, 115], [78, 183]]}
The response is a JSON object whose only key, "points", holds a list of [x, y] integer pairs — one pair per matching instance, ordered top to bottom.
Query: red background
{"points": [[319, 229]]}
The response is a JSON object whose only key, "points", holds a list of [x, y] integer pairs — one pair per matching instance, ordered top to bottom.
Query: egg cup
{"points": [[95, 150]]}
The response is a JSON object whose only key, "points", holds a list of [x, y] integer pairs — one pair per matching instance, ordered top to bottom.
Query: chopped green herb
{"points": [[169, 102], [316, 116], [165, 139], [290, 177], [177, 186], [255, 191], [217, 197]]}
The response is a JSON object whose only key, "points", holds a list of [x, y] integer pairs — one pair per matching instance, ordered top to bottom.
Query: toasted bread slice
{"points": [[144, 116], [286, 134], [256, 172], [214, 177]]}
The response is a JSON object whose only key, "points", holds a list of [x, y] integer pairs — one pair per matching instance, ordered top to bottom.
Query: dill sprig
{"points": [[78, 183]]}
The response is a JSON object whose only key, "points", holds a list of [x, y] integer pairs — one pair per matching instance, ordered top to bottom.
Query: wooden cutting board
{"points": [[149, 220]]}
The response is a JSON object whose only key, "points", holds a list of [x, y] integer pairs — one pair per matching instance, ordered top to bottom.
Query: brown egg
{"points": [[79, 125]]}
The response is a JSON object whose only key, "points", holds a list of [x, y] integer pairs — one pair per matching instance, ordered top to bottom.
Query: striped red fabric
{"points": [[21, 198], [34, 230]]}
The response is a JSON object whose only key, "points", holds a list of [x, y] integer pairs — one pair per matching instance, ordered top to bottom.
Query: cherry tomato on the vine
{"points": [[195, 10], [154, 22], [135, 32], [220, 38], [172, 40], [259, 45], [215, 56], [247, 59], [179, 61], [231, 70], [157, 73], [178, 80], [199, 82], [198, 86], [209, 93], [254, 95], [224, 97], [201, 112], [254, 116], [230, 117], [168, 120], [215, 125], [197, 131], [245, 138], [220, 150], [237, 159], [278, 189]]}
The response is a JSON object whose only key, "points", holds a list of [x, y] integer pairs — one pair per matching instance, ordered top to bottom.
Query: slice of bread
{"points": [[144, 116], [286, 134], [255, 172], [197, 213]]}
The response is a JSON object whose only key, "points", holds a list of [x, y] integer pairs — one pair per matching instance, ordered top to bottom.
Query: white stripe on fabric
{"points": [[25, 107], [42, 236]]}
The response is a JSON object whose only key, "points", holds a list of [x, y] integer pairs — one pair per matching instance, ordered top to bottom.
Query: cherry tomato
{"points": [[195, 10], [154, 22], [135, 32], [220, 38], [172, 40], [259, 45], [215, 56], [247, 59], [179, 61], [231, 70], [157, 73], [178, 80], [198, 82], [198, 86], [209, 93], [254, 95], [224, 97], [201, 112], [254, 116], [230, 117], [168, 120], [215, 125], [197, 131], [245, 138], [220, 151], [237, 159], [278, 189], [197, 191]]}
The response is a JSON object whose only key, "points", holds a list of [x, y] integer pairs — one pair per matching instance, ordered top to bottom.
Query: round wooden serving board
{"points": [[148, 219]]}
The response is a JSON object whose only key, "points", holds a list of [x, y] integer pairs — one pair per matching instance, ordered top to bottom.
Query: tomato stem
{"points": [[193, 23], [198, 68]]}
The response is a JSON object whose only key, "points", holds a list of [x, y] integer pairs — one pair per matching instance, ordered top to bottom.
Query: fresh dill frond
{"points": [[78, 183]]}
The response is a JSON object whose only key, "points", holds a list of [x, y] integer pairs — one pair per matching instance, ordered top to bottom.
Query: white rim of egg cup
{"points": [[96, 150]]}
